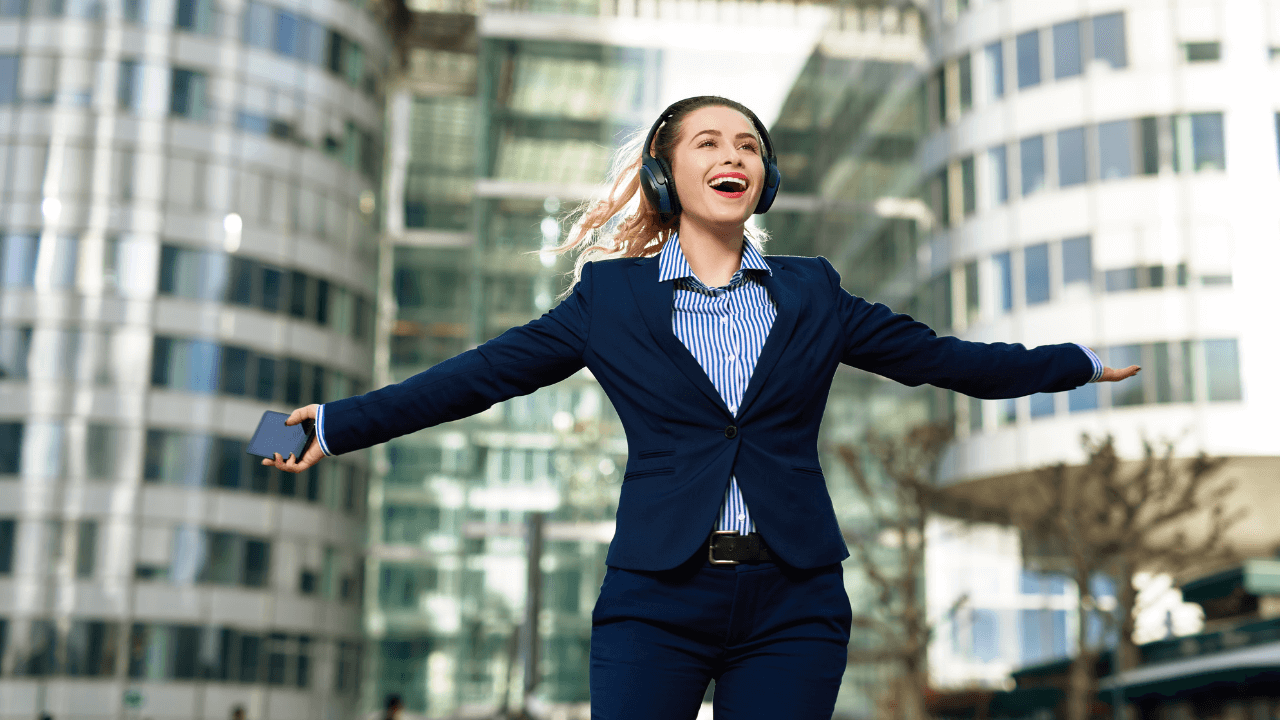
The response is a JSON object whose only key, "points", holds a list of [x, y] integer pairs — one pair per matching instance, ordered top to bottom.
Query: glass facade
{"points": [[189, 239]]}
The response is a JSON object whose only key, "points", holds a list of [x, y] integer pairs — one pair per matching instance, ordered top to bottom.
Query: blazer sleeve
{"points": [[894, 345], [517, 362]]}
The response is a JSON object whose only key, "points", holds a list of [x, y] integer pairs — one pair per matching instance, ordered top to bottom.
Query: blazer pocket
{"points": [[646, 454], [811, 471], [646, 473]]}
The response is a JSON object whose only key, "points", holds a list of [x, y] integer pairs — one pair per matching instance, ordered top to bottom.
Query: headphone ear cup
{"points": [[772, 181], [654, 184], [670, 185]]}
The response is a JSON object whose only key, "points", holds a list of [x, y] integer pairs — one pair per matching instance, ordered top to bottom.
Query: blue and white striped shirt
{"points": [[725, 329]]}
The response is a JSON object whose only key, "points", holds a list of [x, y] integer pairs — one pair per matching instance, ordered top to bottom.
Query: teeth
{"points": [[737, 183]]}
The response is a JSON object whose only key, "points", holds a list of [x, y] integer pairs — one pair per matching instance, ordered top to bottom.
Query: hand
{"points": [[1113, 375], [310, 456]]}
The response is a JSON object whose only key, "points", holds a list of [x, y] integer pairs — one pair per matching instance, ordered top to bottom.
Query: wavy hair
{"points": [[623, 223]]}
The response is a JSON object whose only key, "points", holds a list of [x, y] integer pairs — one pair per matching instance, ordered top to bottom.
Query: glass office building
{"points": [[489, 150], [1104, 177], [188, 238]]}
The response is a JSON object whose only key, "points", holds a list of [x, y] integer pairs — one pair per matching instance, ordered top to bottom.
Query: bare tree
{"points": [[895, 478], [1104, 518]]}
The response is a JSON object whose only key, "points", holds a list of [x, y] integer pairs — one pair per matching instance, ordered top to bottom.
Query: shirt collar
{"points": [[672, 264]]}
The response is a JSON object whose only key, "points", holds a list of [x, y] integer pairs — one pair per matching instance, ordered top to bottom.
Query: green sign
{"points": [[133, 698]]}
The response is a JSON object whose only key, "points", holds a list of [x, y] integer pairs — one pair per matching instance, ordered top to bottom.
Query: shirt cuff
{"points": [[1093, 360], [324, 447]]}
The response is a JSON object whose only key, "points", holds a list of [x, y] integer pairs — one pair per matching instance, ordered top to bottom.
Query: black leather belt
{"points": [[727, 547]]}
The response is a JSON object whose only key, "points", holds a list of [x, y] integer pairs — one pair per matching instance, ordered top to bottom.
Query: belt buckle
{"points": [[711, 548]]}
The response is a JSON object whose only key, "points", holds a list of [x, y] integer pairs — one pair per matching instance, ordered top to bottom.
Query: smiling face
{"points": [[717, 167]]}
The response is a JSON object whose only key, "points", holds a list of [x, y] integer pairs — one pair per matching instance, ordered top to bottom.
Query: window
{"points": [[13, 8], [134, 11], [194, 15], [259, 20], [286, 38], [1109, 40], [311, 45], [1066, 50], [1028, 51], [1202, 51], [334, 53], [995, 69], [8, 79], [966, 83], [129, 85], [187, 95], [1149, 129], [1207, 141], [1115, 149], [1031, 151], [1071, 157], [998, 166], [968, 186], [939, 196], [18, 260], [1077, 261], [1036, 265], [1004, 280], [299, 288], [971, 291], [15, 349], [182, 364], [1222, 370], [1125, 394], [1083, 398], [1041, 405], [1006, 412], [975, 414], [10, 448], [409, 524], [8, 528], [86, 548], [1031, 582], [402, 585], [985, 627], [91, 648], [41, 656]]}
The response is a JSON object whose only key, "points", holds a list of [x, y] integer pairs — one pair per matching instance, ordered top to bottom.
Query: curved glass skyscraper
{"points": [[1103, 174], [187, 197]]}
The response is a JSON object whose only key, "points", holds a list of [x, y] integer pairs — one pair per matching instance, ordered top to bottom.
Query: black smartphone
{"points": [[273, 436]]}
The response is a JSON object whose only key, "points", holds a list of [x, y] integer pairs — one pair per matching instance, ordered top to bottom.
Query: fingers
{"points": [[1113, 375], [307, 412], [293, 464]]}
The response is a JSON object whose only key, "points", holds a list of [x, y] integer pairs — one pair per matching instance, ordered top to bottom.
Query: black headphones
{"points": [[658, 183]]}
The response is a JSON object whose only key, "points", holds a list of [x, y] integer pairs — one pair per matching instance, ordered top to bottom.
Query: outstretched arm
{"points": [[896, 346], [521, 360]]}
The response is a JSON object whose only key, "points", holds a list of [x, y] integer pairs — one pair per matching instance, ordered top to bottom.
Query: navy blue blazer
{"points": [[683, 442]]}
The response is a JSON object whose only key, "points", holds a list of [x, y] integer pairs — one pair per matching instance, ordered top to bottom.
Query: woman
{"points": [[725, 563]]}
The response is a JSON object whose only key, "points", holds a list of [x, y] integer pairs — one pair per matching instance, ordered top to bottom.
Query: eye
{"points": [[706, 142], [749, 146]]}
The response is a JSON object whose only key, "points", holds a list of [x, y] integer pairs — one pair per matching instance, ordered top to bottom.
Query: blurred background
{"points": [[211, 208]]}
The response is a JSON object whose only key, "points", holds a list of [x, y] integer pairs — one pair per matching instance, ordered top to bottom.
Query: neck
{"points": [[714, 254]]}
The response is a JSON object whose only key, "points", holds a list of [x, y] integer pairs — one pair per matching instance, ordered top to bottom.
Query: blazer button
{"points": [[731, 432]]}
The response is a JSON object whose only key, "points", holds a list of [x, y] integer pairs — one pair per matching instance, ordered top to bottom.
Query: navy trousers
{"points": [[773, 638]]}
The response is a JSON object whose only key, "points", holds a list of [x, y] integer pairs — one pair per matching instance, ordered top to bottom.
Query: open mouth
{"points": [[729, 185]]}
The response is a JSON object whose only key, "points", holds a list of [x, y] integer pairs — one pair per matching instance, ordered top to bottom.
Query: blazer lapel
{"points": [[654, 300], [784, 325]]}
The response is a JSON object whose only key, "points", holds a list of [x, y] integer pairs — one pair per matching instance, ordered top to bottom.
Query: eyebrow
{"points": [[717, 134]]}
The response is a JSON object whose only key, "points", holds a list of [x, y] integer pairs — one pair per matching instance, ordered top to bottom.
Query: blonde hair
{"points": [[623, 223]]}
